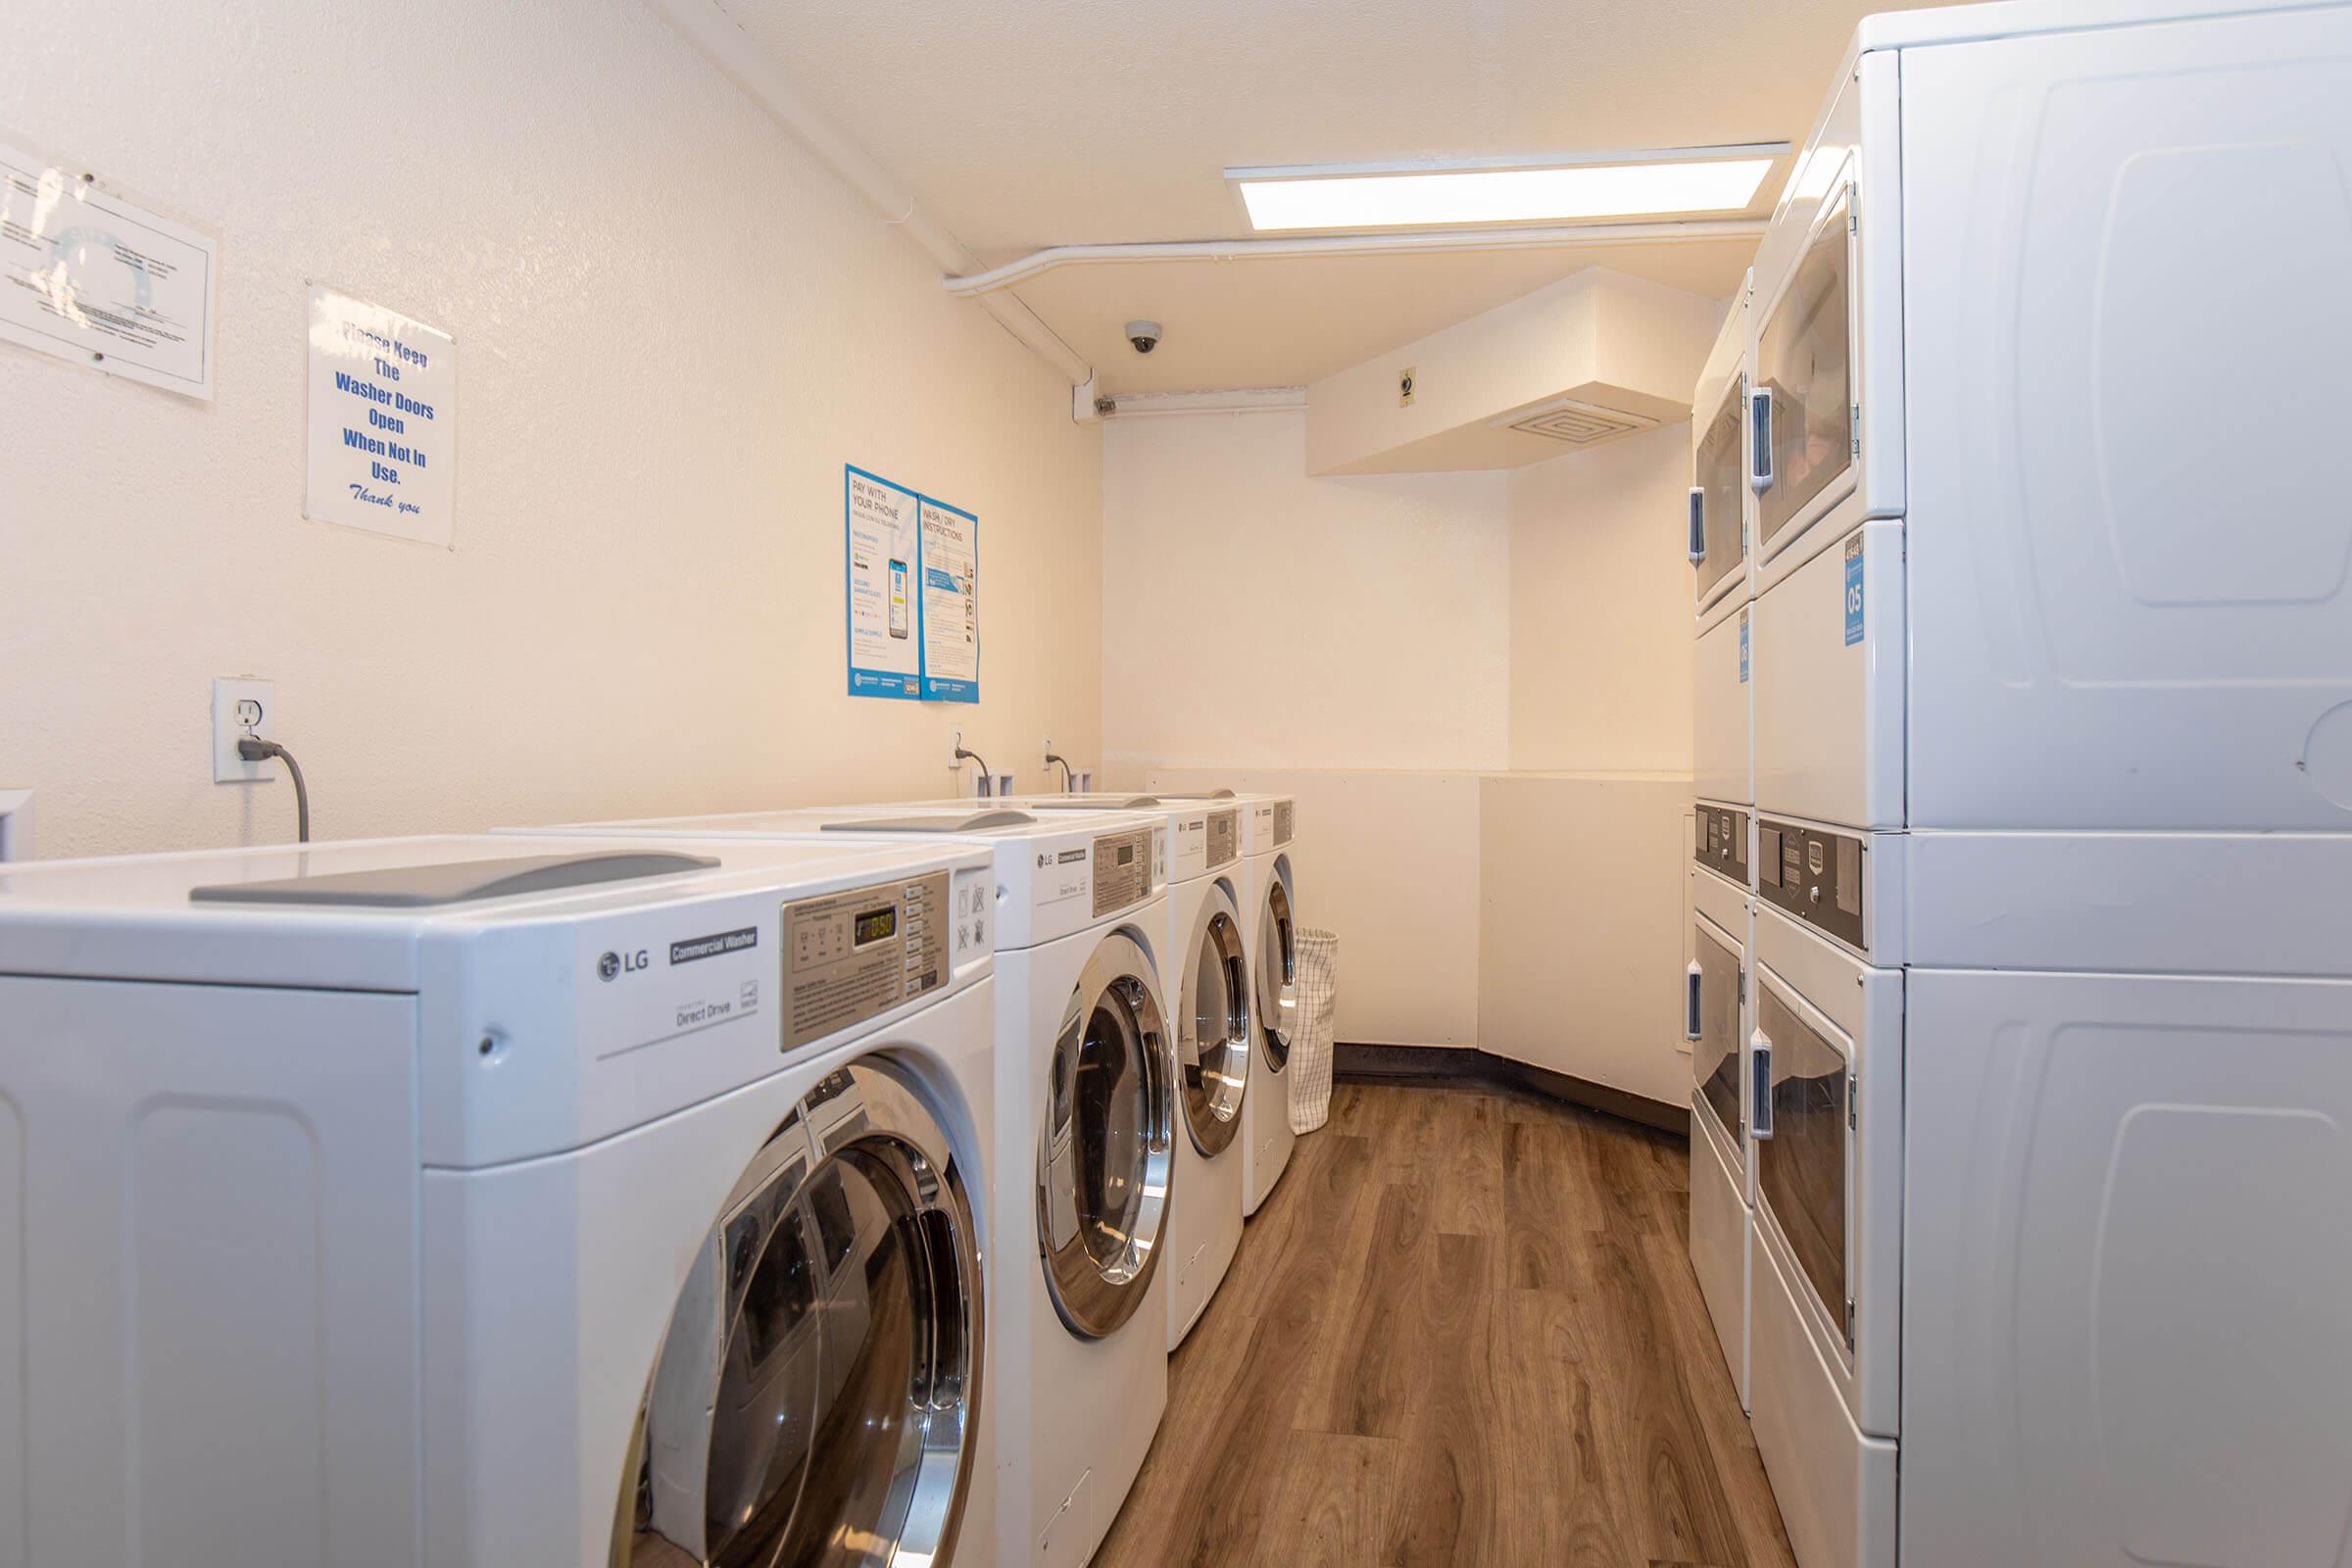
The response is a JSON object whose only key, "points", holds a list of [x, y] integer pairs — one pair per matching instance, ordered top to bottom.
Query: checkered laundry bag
{"points": [[1318, 960]]}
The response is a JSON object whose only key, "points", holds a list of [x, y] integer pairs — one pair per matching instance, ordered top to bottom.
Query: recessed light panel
{"points": [[1473, 197]]}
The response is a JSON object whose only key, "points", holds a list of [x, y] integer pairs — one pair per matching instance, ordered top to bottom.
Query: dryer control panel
{"points": [[1722, 846], [1814, 875], [853, 954]]}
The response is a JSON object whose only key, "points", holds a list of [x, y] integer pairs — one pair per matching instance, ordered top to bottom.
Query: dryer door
{"points": [[1277, 974], [1213, 1020], [1103, 1157], [819, 1380]]}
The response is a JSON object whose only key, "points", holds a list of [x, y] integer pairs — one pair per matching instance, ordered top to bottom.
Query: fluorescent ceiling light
{"points": [[1464, 197]]}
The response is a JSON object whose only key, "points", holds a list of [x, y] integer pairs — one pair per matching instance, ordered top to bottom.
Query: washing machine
{"points": [[1267, 893], [1206, 979], [1086, 1110], [470, 1201]]}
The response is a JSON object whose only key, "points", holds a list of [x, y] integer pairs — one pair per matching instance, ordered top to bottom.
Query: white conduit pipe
{"points": [[725, 45], [1429, 242]]}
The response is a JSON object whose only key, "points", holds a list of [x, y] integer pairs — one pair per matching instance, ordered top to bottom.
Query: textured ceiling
{"points": [[1020, 123]]}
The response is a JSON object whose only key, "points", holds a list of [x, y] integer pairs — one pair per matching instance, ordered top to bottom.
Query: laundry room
{"points": [[792, 783]]}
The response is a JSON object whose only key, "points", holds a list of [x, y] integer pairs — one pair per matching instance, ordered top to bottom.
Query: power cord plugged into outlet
{"points": [[253, 749]]}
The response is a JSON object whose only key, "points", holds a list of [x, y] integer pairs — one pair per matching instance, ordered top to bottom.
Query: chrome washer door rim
{"points": [[1277, 975], [1213, 1020], [862, 1182], [1101, 1210]]}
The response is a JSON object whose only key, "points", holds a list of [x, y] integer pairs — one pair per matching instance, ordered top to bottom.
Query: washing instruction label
{"points": [[90, 277], [383, 421], [884, 550], [913, 579], [1853, 602], [951, 603], [1743, 648]]}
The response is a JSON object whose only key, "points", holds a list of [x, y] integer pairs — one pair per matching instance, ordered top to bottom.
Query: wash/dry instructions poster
{"points": [[89, 276], [913, 574], [951, 603]]}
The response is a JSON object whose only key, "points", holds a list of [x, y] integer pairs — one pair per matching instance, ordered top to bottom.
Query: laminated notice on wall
{"points": [[90, 277], [383, 421], [884, 547], [913, 574], [950, 604]]}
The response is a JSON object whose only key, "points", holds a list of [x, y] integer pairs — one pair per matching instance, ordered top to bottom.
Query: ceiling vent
{"points": [[1595, 358], [1578, 424]]}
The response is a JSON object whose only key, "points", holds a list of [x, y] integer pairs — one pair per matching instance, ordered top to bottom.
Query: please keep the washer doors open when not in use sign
{"points": [[383, 421]]}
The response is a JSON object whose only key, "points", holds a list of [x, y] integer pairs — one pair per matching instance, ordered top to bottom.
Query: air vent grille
{"points": [[1579, 424]]}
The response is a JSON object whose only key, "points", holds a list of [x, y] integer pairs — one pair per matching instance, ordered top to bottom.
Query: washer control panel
{"points": [[1224, 837], [1122, 869], [857, 954]]}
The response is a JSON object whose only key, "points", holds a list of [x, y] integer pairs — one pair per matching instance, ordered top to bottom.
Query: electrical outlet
{"points": [[1404, 388], [243, 706], [1044, 757]]}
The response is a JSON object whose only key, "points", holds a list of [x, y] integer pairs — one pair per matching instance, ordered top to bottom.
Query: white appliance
{"points": [[1969, 322], [1722, 571], [2052, 686], [1267, 893], [1721, 909], [1207, 977], [1716, 1027], [1086, 1112], [1825, 1124], [470, 1201]]}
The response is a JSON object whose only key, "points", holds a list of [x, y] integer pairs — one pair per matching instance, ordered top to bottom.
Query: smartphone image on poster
{"points": [[898, 599]]}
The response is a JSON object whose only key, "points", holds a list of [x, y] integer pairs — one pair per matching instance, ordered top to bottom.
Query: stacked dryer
{"points": [[1722, 902], [2051, 1039]]}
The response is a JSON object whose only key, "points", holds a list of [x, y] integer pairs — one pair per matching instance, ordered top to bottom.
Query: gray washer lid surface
{"points": [[941, 822], [423, 887]]}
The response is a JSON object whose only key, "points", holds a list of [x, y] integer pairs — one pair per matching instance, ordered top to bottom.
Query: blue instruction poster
{"points": [[913, 574], [951, 603]]}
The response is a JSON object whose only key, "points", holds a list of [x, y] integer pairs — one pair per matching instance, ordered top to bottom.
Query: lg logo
{"points": [[611, 966]]}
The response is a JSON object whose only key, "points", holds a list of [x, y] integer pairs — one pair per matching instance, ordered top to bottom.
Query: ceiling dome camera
{"points": [[1144, 335]]}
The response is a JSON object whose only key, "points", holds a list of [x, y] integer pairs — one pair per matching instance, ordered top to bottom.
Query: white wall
{"points": [[673, 326], [1600, 609], [1255, 617], [1480, 625]]}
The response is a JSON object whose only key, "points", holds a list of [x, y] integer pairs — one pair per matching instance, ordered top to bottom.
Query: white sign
{"points": [[88, 277], [383, 425], [885, 553], [950, 604]]}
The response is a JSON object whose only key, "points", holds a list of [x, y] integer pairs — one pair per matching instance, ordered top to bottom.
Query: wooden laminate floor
{"points": [[1463, 1330]]}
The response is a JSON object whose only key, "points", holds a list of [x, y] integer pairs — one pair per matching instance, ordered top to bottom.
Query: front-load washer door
{"points": [[1277, 976], [1212, 1056], [1103, 1153], [815, 1399]]}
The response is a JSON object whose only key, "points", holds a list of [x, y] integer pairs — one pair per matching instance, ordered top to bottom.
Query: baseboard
{"points": [[1455, 1067]]}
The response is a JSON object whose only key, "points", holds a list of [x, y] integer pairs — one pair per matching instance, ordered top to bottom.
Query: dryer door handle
{"points": [[1759, 429], [1699, 525], [1694, 977], [1759, 1066]]}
